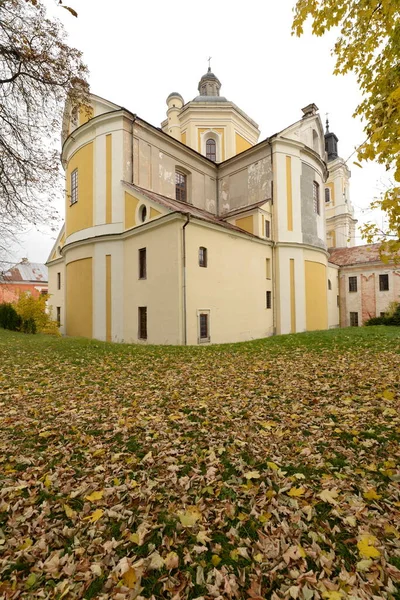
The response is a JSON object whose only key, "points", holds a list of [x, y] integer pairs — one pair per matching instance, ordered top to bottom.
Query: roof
{"points": [[184, 208], [344, 257], [27, 271]]}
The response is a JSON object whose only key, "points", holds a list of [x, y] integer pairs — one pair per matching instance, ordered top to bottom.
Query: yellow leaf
{"points": [[388, 395], [99, 452], [272, 465], [252, 475], [47, 481], [116, 481], [296, 492], [372, 495], [95, 496], [328, 496], [68, 511], [95, 516], [242, 516], [189, 517], [264, 517], [134, 537], [27, 544], [366, 548], [302, 552], [234, 554], [258, 557], [171, 560], [215, 560], [364, 565], [129, 577], [30, 582], [332, 595]]}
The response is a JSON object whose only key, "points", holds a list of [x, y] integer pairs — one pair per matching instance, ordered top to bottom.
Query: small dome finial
{"points": [[209, 64], [327, 123]]}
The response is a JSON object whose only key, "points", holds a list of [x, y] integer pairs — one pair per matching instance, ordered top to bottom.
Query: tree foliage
{"points": [[368, 45], [38, 71], [34, 314]]}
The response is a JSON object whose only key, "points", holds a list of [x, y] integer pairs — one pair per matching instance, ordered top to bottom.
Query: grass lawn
{"points": [[269, 469]]}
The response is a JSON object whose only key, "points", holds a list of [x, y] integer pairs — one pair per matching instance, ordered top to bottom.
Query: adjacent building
{"points": [[197, 232], [24, 277]]}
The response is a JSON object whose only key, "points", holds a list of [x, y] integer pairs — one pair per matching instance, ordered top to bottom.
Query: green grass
{"points": [[226, 431]]}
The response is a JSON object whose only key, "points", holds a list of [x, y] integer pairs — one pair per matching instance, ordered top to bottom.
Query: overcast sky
{"points": [[139, 52]]}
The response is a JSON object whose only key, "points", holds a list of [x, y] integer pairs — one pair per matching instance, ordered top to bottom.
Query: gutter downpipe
{"points": [[184, 278]]}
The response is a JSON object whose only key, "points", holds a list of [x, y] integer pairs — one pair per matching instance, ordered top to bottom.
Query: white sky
{"points": [[139, 52]]}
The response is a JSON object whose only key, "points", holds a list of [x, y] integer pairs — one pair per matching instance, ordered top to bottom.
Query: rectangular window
{"points": [[180, 186], [74, 187], [327, 195], [316, 197], [267, 228], [202, 256], [142, 264], [268, 268], [59, 281], [383, 283], [352, 284], [268, 300], [338, 301], [58, 309], [142, 317], [354, 319], [204, 328]]}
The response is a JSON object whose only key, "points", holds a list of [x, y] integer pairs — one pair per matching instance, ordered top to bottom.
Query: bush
{"points": [[34, 315], [392, 317], [9, 318], [375, 321], [29, 326]]}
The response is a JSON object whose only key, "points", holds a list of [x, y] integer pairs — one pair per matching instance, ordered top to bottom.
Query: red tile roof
{"points": [[184, 208], [354, 256]]}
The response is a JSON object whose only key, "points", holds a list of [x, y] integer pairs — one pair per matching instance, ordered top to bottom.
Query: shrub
{"points": [[35, 316], [391, 317], [9, 318], [375, 321], [29, 325]]}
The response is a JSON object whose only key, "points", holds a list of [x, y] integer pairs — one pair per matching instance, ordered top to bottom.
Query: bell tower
{"points": [[340, 221]]}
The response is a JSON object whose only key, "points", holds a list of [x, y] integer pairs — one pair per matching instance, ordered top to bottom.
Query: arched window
{"points": [[211, 150]]}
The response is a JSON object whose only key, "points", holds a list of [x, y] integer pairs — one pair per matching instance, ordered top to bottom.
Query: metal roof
{"points": [[27, 271]]}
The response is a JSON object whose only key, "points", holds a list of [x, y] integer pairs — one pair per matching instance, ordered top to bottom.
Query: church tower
{"points": [[210, 124], [340, 221]]}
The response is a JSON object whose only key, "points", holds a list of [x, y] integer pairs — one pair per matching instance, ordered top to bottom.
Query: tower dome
{"points": [[209, 84]]}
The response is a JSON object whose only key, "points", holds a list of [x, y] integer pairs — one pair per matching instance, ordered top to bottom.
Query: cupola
{"points": [[209, 84]]}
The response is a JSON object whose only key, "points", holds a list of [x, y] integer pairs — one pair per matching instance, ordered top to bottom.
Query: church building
{"points": [[197, 232]]}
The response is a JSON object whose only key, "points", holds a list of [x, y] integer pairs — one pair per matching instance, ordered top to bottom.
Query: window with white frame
{"points": [[211, 149], [74, 187], [316, 198], [203, 326]]}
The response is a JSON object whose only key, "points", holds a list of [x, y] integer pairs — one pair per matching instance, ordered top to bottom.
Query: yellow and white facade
{"points": [[193, 233]]}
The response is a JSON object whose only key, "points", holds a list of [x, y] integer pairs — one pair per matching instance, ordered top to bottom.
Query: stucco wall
{"points": [[155, 160], [245, 180], [232, 287], [161, 291]]}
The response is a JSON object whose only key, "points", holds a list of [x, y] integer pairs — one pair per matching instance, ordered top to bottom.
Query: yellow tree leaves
{"points": [[368, 45]]}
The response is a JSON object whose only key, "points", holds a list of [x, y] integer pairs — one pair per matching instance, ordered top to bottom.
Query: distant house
{"points": [[23, 277], [366, 285]]}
